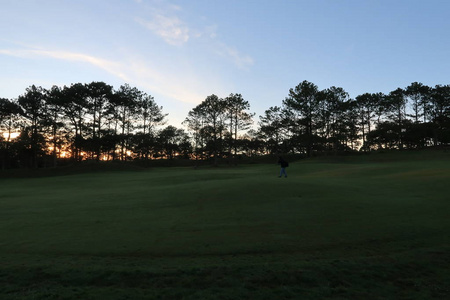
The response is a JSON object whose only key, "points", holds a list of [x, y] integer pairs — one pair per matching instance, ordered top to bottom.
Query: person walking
{"points": [[284, 164]]}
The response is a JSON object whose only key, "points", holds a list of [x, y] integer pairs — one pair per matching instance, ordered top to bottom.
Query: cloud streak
{"points": [[164, 21], [170, 29], [242, 61], [106, 65], [130, 70]]}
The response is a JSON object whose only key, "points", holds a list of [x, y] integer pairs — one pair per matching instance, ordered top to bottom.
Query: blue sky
{"points": [[182, 51]]}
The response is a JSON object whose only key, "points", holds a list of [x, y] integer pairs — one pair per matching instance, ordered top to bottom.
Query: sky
{"points": [[181, 51]]}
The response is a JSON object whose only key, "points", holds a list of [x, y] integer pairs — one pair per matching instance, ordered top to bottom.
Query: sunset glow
{"points": [[13, 135]]}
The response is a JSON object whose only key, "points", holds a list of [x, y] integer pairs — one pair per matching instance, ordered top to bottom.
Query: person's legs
{"points": [[283, 172]]}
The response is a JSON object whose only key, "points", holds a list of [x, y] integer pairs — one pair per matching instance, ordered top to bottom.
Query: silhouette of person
{"points": [[284, 164]]}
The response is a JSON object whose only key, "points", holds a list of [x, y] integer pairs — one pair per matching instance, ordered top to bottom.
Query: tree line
{"points": [[312, 120], [97, 122]]}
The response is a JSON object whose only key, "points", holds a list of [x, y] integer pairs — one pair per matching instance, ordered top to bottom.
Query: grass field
{"points": [[369, 227]]}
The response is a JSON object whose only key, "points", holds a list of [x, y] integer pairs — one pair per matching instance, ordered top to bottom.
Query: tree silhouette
{"points": [[304, 105], [34, 106], [10, 113], [238, 117], [94, 121], [273, 129]]}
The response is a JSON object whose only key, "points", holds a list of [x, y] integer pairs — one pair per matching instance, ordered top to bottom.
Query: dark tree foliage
{"points": [[304, 104], [10, 113], [238, 118], [36, 120], [82, 121], [96, 122], [273, 128]]}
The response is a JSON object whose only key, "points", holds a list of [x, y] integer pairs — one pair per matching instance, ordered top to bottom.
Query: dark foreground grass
{"points": [[356, 229]]}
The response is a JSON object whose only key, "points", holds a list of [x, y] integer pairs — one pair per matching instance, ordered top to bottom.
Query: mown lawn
{"points": [[353, 228]]}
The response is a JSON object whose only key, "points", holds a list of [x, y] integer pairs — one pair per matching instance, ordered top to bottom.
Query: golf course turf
{"points": [[364, 227]]}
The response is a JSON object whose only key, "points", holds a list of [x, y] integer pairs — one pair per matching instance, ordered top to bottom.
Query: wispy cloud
{"points": [[165, 21], [169, 28], [242, 61], [109, 66], [130, 69]]}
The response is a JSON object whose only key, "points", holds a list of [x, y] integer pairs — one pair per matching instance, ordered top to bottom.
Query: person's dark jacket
{"points": [[283, 163]]}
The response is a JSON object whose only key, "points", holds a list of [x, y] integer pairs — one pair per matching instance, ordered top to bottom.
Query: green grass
{"points": [[369, 227]]}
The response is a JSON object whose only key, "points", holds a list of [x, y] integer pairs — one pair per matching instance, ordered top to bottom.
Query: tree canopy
{"points": [[96, 122]]}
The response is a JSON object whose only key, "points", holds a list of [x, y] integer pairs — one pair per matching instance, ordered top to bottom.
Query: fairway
{"points": [[354, 228]]}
